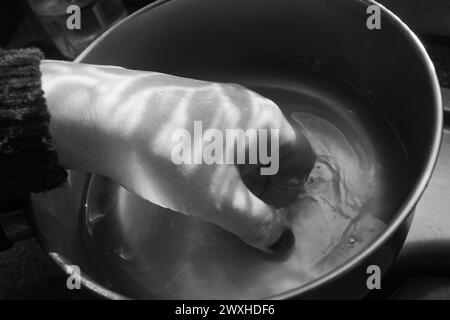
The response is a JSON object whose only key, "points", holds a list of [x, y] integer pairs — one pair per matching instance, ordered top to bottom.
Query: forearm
{"points": [[73, 101], [94, 110], [62, 113]]}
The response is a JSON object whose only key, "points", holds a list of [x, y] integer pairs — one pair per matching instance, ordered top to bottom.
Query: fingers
{"points": [[297, 159], [295, 163], [262, 187], [253, 221]]}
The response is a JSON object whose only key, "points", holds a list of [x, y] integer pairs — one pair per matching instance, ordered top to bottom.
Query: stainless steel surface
{"points": [[389, 65], [426, 253]]}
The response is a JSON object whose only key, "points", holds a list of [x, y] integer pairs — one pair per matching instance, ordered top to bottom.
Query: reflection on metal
{"points": [[86, 281]]}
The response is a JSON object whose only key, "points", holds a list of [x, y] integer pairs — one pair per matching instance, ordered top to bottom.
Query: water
{"points": [[356, 186]]}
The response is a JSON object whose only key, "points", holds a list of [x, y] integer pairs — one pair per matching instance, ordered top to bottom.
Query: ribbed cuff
{"points": [[28, 161]]}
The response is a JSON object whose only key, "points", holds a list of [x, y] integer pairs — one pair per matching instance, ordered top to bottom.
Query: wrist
{"points": [[73, 100]]}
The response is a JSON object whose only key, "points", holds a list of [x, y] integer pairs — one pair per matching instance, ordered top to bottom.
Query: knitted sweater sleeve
{"points": [[28, 161]]}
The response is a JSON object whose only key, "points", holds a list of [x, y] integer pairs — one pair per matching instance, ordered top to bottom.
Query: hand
{"points": [[129, 125]]}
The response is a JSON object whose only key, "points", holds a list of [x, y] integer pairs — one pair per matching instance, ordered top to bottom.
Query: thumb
{"points": [[256, 223]]}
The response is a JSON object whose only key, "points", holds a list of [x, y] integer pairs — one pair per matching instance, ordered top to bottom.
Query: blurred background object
{"points": [[9, 17], [95, 17], [431, 17]]}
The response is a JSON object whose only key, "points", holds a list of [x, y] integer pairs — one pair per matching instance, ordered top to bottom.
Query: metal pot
{"points": [[389, 64]]}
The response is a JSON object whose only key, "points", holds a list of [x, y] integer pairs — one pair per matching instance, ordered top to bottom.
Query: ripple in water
{"points": [[328, 217]]}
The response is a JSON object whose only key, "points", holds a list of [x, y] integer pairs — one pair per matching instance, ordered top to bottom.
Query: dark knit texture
{"points": [[28, 161]]}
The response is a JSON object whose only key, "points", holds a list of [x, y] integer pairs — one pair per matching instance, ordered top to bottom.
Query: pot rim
{"points": [[403, 212]]}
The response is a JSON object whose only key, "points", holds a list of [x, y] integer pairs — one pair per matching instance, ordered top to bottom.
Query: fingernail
{"points": [[284, 243]]}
